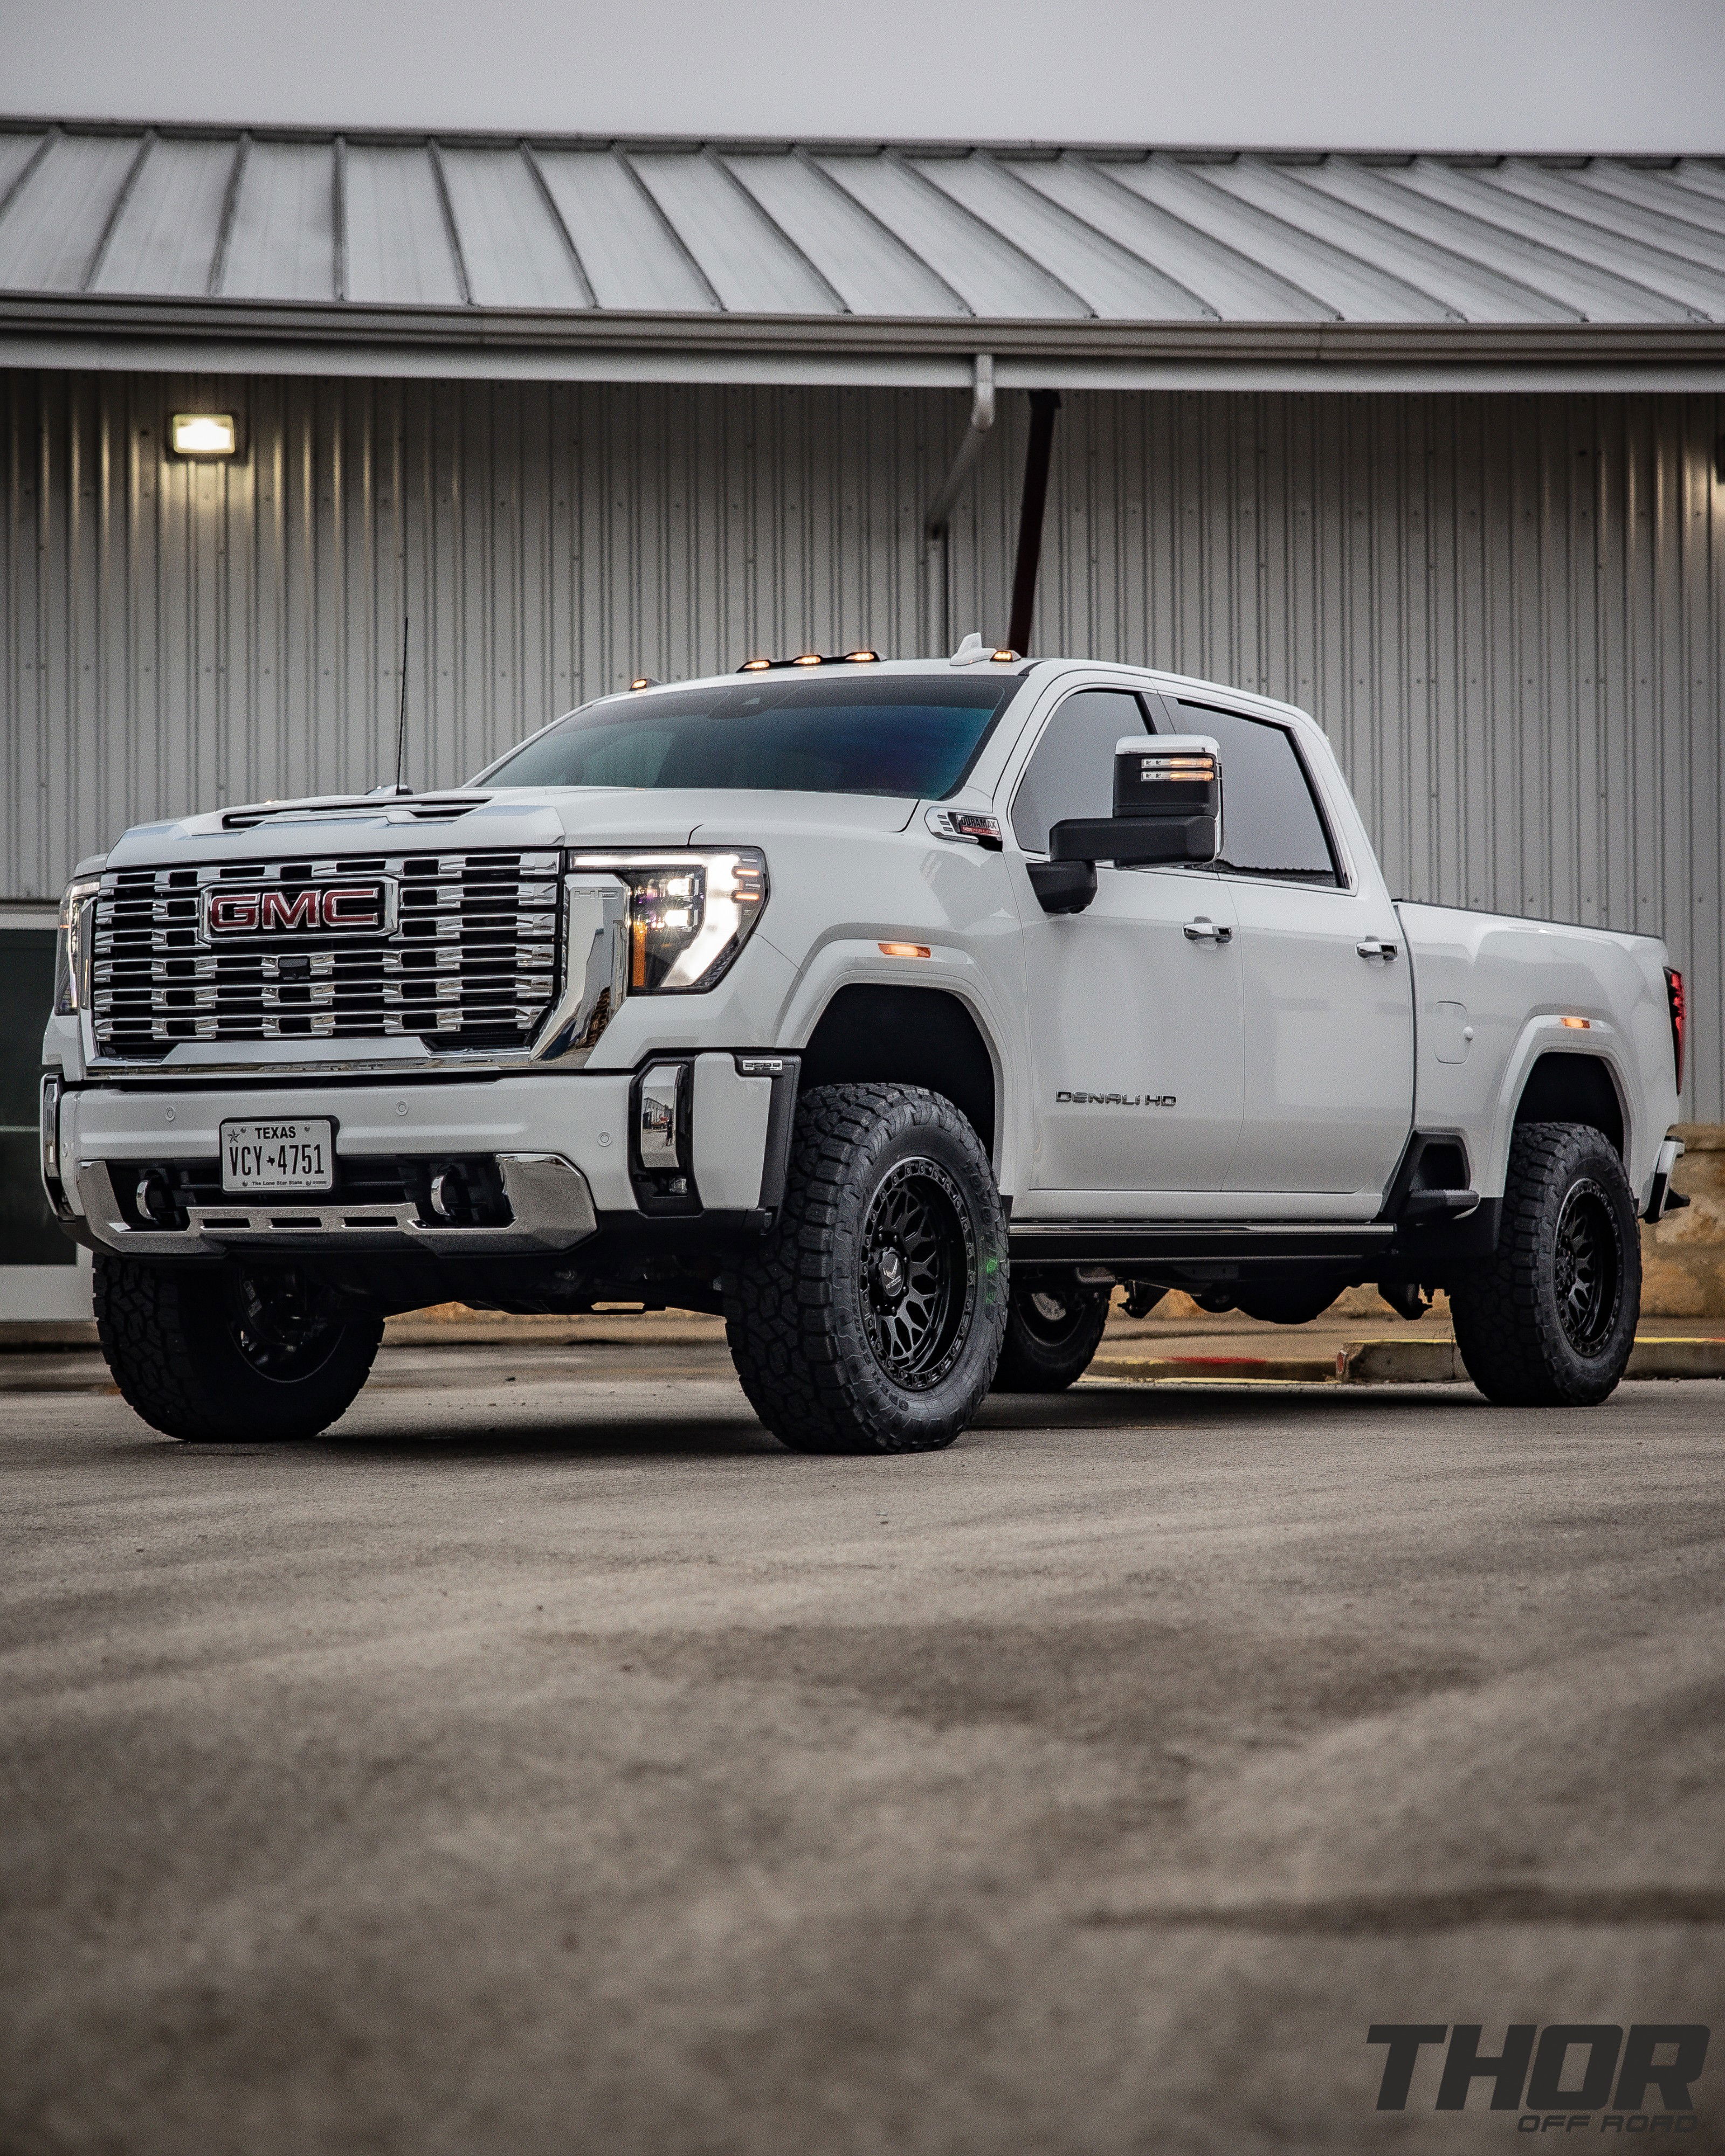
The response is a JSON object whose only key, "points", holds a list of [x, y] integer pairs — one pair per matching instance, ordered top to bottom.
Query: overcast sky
{"points": [[1532, 74]]}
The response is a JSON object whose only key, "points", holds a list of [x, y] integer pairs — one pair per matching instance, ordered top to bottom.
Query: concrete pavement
{"points": [[544, 1761]]}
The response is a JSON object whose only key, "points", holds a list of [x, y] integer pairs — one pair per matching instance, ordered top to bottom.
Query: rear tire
{"points": [[869, 1317], [1549, 1321], [1054, 1328], [218, 1355]]}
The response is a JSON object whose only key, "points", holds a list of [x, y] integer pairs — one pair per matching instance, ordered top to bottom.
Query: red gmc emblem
{"points": [[308, 910]]}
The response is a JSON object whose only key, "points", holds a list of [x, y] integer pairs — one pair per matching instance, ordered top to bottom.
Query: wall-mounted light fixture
{"points": [[203, 434]]}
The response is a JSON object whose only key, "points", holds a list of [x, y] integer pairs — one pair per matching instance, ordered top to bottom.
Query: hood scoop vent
{"points": [[365, 808]]}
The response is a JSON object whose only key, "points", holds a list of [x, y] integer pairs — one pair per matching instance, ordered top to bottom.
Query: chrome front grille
{"points": [[472, 962]]}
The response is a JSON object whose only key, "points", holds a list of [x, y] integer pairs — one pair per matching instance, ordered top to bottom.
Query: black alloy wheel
{"points": [[918, 1269], [1588, 1269], [276, 1324]]}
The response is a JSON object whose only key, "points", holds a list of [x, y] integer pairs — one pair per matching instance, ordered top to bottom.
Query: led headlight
{"points": [[689, 913], [71, 971]]}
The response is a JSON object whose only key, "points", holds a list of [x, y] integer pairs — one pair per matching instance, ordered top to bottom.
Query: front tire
{"points": [[870, 1318], [1550, 1320], [1054, 1328], [218, 1355]]}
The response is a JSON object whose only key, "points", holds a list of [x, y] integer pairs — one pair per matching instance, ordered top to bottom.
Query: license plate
{"points": [[278, 1156]]}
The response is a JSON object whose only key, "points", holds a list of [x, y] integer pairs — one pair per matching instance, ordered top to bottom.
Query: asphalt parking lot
{"points": [[543, 1761]]}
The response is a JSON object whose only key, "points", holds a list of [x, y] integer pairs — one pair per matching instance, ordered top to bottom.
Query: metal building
{"points": [[1433, 446]]}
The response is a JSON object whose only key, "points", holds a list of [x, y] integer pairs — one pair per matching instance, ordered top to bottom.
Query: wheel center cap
{"points": [[886, 1276]]}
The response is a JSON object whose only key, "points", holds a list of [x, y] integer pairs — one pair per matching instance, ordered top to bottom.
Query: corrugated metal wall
{"points": [[1506, 611]]}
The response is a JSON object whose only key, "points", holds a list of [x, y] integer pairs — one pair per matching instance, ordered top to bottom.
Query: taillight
{"points": [[1680, 1016]]}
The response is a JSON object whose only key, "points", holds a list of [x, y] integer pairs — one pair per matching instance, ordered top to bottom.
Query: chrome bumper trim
{"points": [[551, 1205]]}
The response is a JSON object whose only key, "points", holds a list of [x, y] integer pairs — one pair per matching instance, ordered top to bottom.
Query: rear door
{"points": [[1328, 1019]]}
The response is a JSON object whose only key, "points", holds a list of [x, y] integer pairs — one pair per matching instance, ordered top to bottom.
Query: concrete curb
{"points": [[1653, 1358], [1382, 1362], [1215, 1369]]}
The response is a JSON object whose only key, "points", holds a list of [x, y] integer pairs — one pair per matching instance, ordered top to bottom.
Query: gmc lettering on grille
{"points": [[310, 910]]}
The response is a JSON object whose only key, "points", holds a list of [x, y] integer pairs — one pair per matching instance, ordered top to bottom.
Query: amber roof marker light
{"points": [[859, 657], [644, 681]]}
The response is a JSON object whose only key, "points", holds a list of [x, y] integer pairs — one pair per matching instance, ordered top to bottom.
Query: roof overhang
{"points": [[113, 333]]}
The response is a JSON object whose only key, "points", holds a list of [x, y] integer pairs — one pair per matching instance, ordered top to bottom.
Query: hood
{"points": [[467, 821]]}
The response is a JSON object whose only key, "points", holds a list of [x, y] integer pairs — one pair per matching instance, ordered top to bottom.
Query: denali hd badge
{"points": [[295, 910], [1115, 1099]]}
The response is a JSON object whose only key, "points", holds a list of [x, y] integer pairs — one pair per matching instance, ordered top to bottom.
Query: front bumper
{"points": [[562, 1146], [551, 1209]]}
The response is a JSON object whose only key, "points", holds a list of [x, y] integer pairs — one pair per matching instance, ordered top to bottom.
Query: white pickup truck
{"points": [[896, 1010]]}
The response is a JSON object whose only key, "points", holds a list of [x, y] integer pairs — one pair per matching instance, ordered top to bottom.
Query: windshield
{"points": [[912, 736]]}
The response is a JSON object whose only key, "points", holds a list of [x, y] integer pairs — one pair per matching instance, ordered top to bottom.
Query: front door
{"points": [[1135, 1004]]}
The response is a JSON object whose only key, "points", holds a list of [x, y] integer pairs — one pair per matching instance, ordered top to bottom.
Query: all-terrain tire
{"points": [[890, 1195], [1550, 1319], [1054, 1326], [201, 1355]]}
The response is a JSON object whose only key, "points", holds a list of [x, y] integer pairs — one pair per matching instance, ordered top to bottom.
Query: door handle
{"points": [[1203, 929], [1374, 947]]}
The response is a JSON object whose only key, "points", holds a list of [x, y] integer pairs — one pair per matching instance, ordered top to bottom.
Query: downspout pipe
{"points": [[1044, 405], [938, 607]]}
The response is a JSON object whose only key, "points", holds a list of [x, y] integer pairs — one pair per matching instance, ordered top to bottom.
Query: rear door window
{"points": [[1271, 825]]}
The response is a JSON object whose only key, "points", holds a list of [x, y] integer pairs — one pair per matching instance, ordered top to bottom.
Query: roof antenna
{"points": [[401, 720]]}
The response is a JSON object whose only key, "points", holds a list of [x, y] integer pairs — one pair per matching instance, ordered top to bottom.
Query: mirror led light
{"points": [[203, 433]]}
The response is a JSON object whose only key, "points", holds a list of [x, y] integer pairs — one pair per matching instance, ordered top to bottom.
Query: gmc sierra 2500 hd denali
{"points": [[819, 995]]}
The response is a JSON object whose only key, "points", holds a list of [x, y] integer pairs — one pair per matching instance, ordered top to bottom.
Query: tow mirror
{"points": [[1167, 807]]}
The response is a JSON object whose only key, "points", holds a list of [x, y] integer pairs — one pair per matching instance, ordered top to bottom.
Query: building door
{"points": [[41, 1275]]}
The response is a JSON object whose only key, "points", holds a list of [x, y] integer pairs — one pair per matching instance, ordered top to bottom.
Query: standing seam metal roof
{"points": [[858, 235]]}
